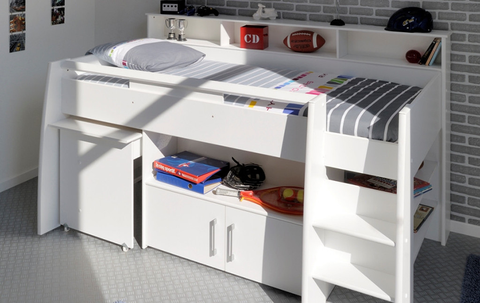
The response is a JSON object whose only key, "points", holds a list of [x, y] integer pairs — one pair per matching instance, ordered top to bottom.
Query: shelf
{"points": [[304, 24], [198, 42], [355, 43], [283, 50], [386, 61], [427, 171], [228, 201], [359, 226], [420, 235], [357, 278]]}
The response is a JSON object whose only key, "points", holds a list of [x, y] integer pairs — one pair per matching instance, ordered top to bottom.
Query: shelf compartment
{"points": [[277, 33], [382, 45], [427, 171], [362, 227], [421, 233], [358, 278]]}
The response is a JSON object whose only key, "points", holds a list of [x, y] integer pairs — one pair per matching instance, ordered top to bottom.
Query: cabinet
{"points": [[97, 179], [180, 225], [241, 238], [237, 241], [257, 249]]}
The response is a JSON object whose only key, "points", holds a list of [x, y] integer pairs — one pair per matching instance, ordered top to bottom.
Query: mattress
{"points": [[356, 106]]}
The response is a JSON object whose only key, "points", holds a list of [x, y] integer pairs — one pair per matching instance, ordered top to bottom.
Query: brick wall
{"points": [[460, 17]]}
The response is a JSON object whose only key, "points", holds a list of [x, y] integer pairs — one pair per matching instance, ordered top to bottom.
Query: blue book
{"points": [[435, 53], [191, 167], [202, 188]]}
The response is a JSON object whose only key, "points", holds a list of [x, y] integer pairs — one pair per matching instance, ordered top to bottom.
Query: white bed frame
{"points": [[349, 236]]}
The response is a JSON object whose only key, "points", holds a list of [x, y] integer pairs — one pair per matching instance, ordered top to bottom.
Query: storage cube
{"points": [[254, 36]]}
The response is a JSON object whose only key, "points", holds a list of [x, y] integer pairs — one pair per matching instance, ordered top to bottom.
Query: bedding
{"points": [[147, 54], [356, 106]]}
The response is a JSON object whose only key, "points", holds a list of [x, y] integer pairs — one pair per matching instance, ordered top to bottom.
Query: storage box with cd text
{"points": [[254, 36]]}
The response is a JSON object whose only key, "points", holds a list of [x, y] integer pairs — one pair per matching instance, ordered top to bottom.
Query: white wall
{"points": [[117, 20], [23, 74], [22, 79]]}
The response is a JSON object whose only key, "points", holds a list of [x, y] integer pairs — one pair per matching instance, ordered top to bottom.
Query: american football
{"points": [[304, 41]]}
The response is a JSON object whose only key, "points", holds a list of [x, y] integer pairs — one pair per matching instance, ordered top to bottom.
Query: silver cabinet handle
{"points": [[213, 250], [230, 255]]}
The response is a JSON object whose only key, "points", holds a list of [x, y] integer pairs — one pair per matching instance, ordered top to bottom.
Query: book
{"points": [[438, 42], [435, 54], [425, 55], [190, 166], [388, 185], [202, 187], [421, 215]]}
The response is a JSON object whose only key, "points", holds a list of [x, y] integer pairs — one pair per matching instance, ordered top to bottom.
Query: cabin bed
{"points": [[346, 231]]}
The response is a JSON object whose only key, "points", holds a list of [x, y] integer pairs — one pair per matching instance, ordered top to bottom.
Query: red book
{"points": [[190, 166], [389, 185]]}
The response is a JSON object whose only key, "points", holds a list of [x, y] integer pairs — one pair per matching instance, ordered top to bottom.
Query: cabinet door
{"points": [[96, 187], [184, 226], [264, 249]]}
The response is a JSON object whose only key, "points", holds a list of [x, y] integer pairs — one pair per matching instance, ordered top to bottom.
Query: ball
{"points": [[304, 41], [413, 56], [288, 194], [300, 196]]}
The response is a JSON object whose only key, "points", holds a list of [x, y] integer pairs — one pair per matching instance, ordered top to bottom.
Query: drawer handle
{"points": [[213, 250], [230, 255]]}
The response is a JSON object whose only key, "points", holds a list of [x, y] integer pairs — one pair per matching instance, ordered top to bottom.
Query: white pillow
{"points": [[147, 54]]}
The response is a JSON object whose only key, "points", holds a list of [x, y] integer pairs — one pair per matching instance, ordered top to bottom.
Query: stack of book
{"points": [[431, 53], [191, 171], [419, 186]]}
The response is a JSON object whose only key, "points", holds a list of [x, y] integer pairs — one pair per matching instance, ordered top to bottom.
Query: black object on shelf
{"points": [[205, 11], [337, 21]]}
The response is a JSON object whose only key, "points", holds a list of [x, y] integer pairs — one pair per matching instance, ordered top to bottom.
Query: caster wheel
{"points": [[66, 228], [125, 248]]}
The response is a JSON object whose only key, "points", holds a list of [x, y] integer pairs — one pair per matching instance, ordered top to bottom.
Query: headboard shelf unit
{"points": [[358, 43]]}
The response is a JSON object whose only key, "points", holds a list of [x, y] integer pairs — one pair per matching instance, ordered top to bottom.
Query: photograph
{"points": [[58, 2], [17, 6], [58, 15], [17, 23], [17, 42]]}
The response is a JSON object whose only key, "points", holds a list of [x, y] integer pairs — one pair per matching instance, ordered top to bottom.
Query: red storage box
{"points": [[254, 36]]}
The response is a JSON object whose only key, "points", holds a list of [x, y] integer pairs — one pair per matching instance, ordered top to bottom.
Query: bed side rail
{"points": [[198, 85], [425, 120]]}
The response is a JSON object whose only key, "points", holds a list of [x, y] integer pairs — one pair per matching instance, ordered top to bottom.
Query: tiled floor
{"points": [[73, 267]]}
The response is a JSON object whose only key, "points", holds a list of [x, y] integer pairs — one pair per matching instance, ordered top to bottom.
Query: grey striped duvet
{"points": [[355, 106]]}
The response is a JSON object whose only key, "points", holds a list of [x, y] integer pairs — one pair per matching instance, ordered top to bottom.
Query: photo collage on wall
{"points": [[58, 12], [17, 25]]}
